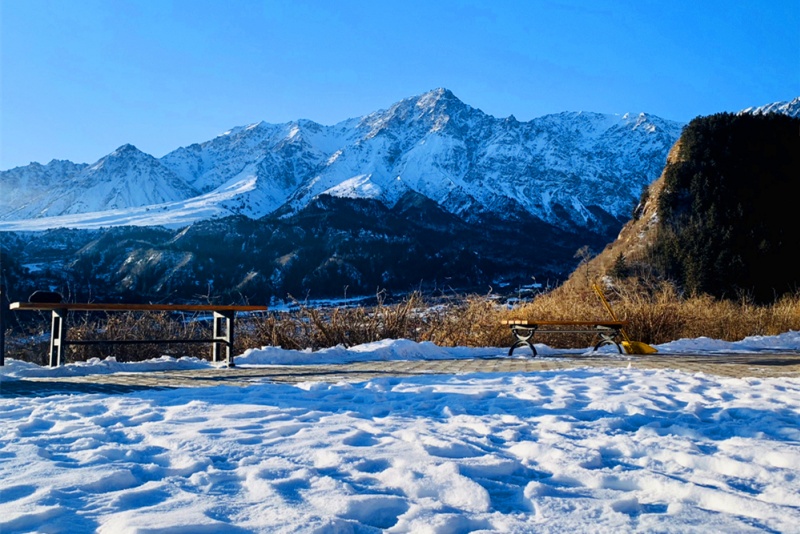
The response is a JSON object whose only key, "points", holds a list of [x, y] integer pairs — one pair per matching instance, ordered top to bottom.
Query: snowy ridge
{"points": [[790, 108], [567, 168]]}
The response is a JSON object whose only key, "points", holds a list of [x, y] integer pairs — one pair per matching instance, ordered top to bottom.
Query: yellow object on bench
{"points": [[223, 327], [608, 332]]}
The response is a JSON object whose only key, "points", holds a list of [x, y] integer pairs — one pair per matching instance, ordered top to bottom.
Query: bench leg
{"points": [[523, 335], [223, 336], [609, 337], [58, 338]]}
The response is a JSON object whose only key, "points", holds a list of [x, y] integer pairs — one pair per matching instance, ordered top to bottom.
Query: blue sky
{"points": [[80, 78]]}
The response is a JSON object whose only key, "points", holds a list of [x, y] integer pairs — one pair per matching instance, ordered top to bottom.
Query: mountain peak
{"points": [[442, 92], [438, 98], [125, 150], [122, 158]]}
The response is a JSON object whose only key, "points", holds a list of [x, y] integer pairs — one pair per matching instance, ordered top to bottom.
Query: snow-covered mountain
{"points": [[790, 108], [557, 168], [571, 169], [126, 178], [25, 186]]}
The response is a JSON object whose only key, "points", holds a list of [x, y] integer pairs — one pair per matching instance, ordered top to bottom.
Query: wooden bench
{"points": [[223, 324], [607, 332]]}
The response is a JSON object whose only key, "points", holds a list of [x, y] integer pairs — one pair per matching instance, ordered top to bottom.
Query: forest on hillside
{"points": [[727, 215]]}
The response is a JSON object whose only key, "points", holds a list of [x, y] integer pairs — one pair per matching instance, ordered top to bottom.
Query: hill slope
{"points": [[719, 219]]}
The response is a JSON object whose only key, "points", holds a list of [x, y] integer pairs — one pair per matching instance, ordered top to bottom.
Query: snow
{"points": [[360, 186], [174, 214], [584, 450]]}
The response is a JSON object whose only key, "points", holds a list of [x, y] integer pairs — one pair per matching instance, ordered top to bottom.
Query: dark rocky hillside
{"points": [[721, 219]]}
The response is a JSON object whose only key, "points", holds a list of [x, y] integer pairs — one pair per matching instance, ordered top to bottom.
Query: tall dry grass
{"points": [[656, 311], [455, 321]]}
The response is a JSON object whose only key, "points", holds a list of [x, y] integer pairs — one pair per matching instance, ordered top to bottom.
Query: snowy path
{"points": [[46, 381]]}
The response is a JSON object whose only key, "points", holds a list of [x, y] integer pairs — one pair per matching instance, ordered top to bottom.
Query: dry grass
{"points": [[656, 311], [458, 321], [316, 328], [33, 343]]}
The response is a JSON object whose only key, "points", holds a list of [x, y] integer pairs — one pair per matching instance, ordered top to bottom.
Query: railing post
{"points": [[223, 335], [58, 338]]}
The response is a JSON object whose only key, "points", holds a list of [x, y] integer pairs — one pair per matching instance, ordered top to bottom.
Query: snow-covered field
{"points": [[583, 450]]}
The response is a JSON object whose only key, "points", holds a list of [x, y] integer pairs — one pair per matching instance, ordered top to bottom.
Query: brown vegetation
{"points": [[656, 311]]}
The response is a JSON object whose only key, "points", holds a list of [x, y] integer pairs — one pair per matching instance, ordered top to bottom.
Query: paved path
{"points": [[729, 365]]}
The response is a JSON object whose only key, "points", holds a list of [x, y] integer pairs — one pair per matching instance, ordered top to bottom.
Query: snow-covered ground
{"points": [[583, 450]]}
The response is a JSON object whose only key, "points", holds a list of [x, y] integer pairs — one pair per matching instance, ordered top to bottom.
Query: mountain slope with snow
{"points": [[568, 169], [126, 178], [32, 184]]}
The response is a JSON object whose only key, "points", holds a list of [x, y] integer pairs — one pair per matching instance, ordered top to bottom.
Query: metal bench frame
{"points": [[224, 320], [608, 332]]}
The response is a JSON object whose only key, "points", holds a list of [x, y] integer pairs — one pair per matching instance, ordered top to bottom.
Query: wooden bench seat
{"points": [[224, 317], [607, 332]]}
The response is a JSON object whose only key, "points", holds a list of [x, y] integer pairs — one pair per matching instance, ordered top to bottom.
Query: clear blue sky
{"points": [[82, 77]]}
